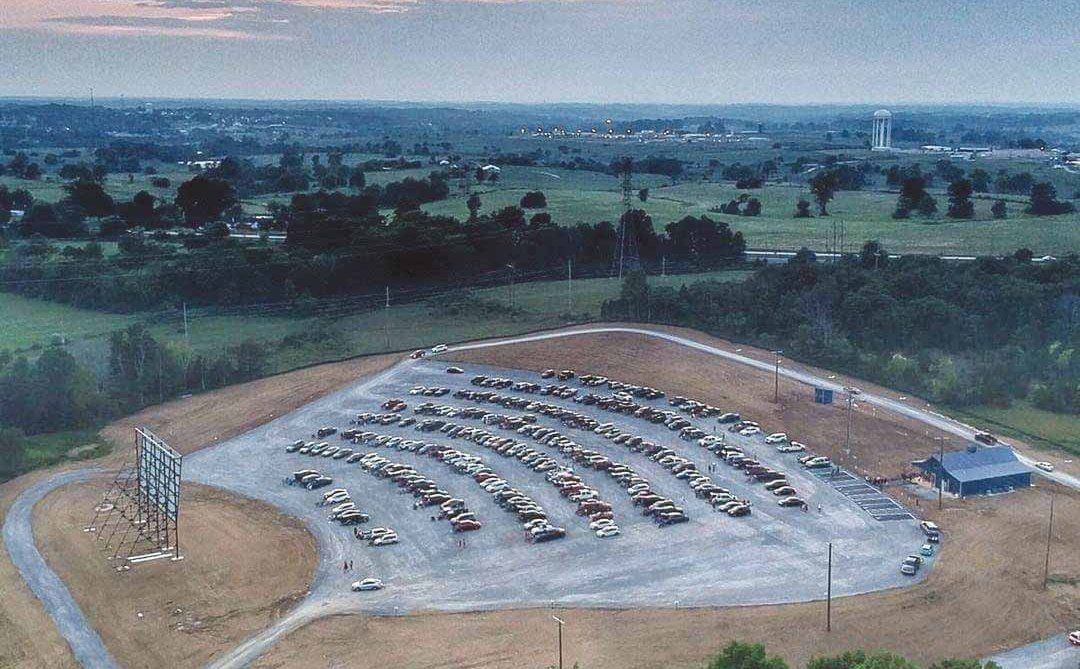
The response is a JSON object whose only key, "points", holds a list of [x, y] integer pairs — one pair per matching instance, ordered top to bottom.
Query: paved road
{"points": [[926, 416], [85, 643], [1052, 653]]}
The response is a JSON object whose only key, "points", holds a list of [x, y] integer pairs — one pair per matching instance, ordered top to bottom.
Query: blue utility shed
{"points": [[978, 470]]}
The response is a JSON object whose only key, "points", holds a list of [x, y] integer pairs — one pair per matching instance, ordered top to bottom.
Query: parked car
{"points": [[439, 348], [417, 354], [455, 370], [776, 438], [986, 438], [1045, 466], [792, 501], [931, 530], [927, 550], [910, 565], [367, 584], [1074, 638]]}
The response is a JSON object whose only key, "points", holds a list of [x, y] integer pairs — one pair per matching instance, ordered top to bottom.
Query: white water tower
{"points": [[882, 139]]}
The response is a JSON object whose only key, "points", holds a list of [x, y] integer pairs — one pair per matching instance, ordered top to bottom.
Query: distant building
{"points": [[882, 135], [978, 470]]}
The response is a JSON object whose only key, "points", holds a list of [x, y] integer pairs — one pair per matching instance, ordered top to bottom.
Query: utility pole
{"points": [[663, 266], [511, 284], [569, 287], [386, 318], [186, 337], [776, 378], [850, 406], [941, 474], [1049, 537], [828, 595], [560, 622]]}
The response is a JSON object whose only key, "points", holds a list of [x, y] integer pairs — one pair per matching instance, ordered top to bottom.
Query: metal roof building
{"points": [[979, 470]]}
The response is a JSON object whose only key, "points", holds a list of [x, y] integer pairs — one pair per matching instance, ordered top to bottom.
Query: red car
{"points": [[416, 355], [466, 525]]}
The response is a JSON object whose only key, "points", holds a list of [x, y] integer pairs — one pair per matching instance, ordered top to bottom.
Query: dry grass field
{"points": [[245, 564]]}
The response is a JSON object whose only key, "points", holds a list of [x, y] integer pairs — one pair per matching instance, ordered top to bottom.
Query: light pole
{"points": [[511, 284], [776, 378], [850, 406], [941, 472], [1049, 537], [828, 595], [560, 622]]}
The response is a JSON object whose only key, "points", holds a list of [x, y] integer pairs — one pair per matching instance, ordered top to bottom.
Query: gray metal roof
{"points": [[983, 463]]}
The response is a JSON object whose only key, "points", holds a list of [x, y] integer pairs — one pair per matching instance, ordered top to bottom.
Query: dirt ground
{"points": [[210, 418], [881, 442], [244, 565], [984, 596], [28, 637]]}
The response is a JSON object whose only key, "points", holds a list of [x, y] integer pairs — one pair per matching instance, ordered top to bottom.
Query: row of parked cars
{"points": [[429, 391], [680, 467], [570, 486], [422, 488], [529, 512]]}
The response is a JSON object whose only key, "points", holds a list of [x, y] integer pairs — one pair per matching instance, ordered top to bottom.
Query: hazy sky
{"points": [[695, 51]]}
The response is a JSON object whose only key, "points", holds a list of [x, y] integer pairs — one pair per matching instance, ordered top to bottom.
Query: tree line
{"points": [[339, 244], [984, 332], [54, 392], [738, 655]]}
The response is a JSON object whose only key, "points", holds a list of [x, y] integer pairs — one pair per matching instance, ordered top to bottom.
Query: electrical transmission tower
{"points": [[627, 257]]}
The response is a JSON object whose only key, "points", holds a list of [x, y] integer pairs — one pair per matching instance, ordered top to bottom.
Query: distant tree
{"points": [[357, 179], [980, 180], [160, 182], [823, 186], [643, 194], [89, 197], [913, 197], [203, 199], [533, 200], [1044, 201], [473, 203], [960, 204], [802, 209], [998, 209], [872, 255], [1023, 255], [11, 453], [745, 656], [883, 660]]}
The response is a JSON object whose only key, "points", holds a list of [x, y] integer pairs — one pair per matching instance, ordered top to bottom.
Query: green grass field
{"points": [[586, 197], [354, 329], [1023, 421]]}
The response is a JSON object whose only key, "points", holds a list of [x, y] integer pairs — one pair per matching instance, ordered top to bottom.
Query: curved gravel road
{"points": [[85, 643]]}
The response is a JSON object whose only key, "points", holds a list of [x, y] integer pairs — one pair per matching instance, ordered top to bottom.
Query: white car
{"points": [[441, 348], [750, 431], [776, 438], [793, 447], [1045, 466], [601, 524], [609, 531], [384, 540], [367, 584], [1074, 638]]}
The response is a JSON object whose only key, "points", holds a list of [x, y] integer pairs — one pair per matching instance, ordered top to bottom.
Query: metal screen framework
{"points": [[138, 518]]}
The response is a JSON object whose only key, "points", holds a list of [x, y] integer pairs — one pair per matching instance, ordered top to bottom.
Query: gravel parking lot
{"points": [[774, 555]]}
